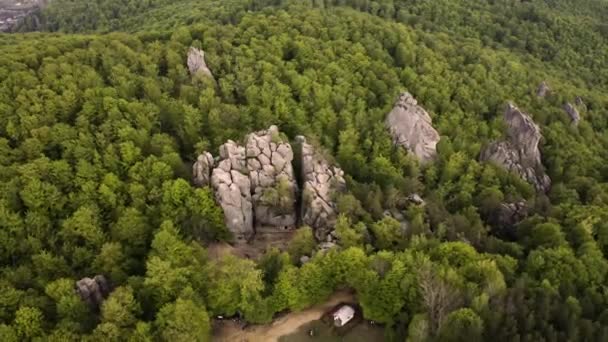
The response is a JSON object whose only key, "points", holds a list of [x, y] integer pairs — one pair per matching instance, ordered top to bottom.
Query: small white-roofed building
{"points": [[343, 315]]}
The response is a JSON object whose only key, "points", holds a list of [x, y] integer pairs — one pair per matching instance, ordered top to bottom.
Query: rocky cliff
{"points": [[197, 64], [572, 113], [411, 127], [519, 153], [321, 181], [257, 188], [232, 189]]}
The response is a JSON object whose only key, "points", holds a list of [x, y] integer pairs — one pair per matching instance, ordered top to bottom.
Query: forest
{"points": [[100, 123]]}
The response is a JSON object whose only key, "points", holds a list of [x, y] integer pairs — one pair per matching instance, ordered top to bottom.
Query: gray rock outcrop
{"points": [[196, 63], [543, 90], [578, 101], [572, 113], [411, 127], [519, 153], [201, 170], [320, 182], [273, 185], [256, 186], [233, 190], [93, 291]]}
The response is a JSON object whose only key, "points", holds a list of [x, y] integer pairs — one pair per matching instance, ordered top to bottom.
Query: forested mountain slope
{"points": [[98, 132]]}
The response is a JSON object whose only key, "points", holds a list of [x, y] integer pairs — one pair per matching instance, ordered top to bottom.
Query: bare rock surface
{"points": [[197, 64], [543, 89], [572, 113], [411, 127], [519, 153], [201, 170], [320, 182], [273, 185], [233, 190], [93, 290]]}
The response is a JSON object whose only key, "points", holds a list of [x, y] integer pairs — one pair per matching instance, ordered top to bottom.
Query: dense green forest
{"points": [[100, 122]]}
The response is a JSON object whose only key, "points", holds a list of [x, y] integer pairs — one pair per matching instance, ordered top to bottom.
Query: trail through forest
{"points": [[230, 331]]}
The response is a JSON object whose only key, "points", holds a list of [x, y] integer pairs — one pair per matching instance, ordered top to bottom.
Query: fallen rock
{"points": [[196, 63], [543, 90], [572, 113], [411, 127], [520, 152], [201, 170], [320, 182], [273, 185], [233, 190], [93, 291]]}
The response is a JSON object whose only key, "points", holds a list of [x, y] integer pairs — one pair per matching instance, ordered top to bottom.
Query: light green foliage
{"points": [[388, 233], [303, 243], [183, 320], [28, 322], [460, 325]]}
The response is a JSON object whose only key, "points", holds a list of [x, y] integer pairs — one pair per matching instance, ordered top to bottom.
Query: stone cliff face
{"points": [[196, 63], [572, 113], [411, 127], [519, 153], [201, 171], [320, 182], [273, 185], [256, 186], [233, 190]]}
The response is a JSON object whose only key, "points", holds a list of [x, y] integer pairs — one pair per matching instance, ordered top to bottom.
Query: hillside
{"points": [[482, 218]]}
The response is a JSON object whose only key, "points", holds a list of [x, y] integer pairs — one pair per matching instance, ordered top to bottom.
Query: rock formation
{"points": [[196, 62], [543, 90], [572, 113], [411, 127], [519, 153], [201, 170], [320, 182], [273, 185], [257, 189], [233, 190], [93, 291]]}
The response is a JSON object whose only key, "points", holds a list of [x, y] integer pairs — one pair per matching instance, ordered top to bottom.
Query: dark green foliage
{"points": [[98, 131]]}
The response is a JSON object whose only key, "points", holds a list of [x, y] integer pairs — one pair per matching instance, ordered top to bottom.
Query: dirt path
{"points": [[228, 331]]}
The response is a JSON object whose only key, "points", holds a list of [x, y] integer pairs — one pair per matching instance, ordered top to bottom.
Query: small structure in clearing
{"points": [[343, 315]]}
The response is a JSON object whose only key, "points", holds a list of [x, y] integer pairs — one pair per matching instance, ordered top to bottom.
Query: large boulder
{"points": [[196, 63], [543, 90], [572, 113], [411, 127], [519, 153], [201, 170], [320, 182], [273, 186], [233, 190], [93, 290]]}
